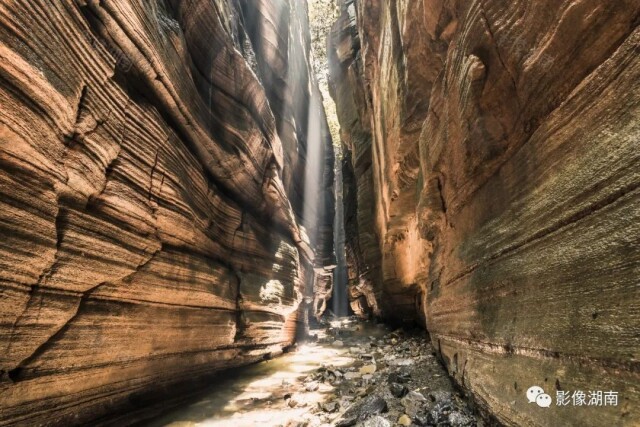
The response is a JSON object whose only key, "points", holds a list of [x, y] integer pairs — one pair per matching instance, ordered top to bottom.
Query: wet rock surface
{"points": [[330, 391]]}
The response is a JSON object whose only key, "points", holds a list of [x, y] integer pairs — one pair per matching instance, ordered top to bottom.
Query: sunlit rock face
{"points": [[491, 190], [154, 225]]}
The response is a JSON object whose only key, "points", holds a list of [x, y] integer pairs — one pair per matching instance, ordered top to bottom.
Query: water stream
{"points": [[354, 372], [255, 395]]}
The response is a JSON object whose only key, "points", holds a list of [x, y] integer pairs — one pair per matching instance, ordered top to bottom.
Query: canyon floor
{"points": [[350, 373]]}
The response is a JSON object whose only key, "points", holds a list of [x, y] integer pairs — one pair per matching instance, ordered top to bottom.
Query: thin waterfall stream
{"points": [[339, 298]]}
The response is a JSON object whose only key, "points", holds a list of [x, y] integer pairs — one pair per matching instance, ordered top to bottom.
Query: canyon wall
{"points": [[154, 161], [491, 174]]}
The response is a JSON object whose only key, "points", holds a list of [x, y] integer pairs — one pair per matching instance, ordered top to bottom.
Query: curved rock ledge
{"points": [[153, 220]]}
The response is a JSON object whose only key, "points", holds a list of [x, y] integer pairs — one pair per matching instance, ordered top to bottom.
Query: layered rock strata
{"points": [[166, 180], [491, 191]]}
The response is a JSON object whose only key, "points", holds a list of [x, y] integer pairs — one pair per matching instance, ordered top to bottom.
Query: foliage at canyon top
{"points": [[322, 15]]}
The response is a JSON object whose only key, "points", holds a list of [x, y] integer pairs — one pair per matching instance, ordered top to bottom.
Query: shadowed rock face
{"points": [[491, 190], [153, 220]]}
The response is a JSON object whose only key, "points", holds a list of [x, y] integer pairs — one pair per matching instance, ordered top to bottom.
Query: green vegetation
{"points": [[322, 15]]}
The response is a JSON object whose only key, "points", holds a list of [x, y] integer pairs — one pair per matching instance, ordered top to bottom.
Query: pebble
{"points": [[338, 343], [368, 369], [351, 375], [312, 386], [398, 390], [413, 402], [292, 403], [330, 407], [404, 420], [376, 421]]}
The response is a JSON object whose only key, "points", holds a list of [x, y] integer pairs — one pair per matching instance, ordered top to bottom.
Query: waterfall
{"points": [[339, 300]]}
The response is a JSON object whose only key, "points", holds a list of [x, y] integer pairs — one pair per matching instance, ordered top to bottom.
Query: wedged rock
{"points": [[398, 390], [414, 402], [330, 407], [361, 410]]}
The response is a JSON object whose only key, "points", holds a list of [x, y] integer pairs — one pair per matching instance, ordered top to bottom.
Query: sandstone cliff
{"points": [[154, 161], [491, 190]]}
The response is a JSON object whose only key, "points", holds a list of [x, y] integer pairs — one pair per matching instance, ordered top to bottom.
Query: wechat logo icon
{"points": [[537, 395]]}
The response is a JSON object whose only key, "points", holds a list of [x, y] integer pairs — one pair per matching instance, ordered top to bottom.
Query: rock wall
{"points": [[154, 161], [491, 191]]}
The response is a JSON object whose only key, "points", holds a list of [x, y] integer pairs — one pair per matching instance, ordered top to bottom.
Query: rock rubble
{"points": [[404, 384]]}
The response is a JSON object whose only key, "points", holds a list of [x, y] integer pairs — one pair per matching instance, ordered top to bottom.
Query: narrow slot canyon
{"points": [[313, 213]]}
